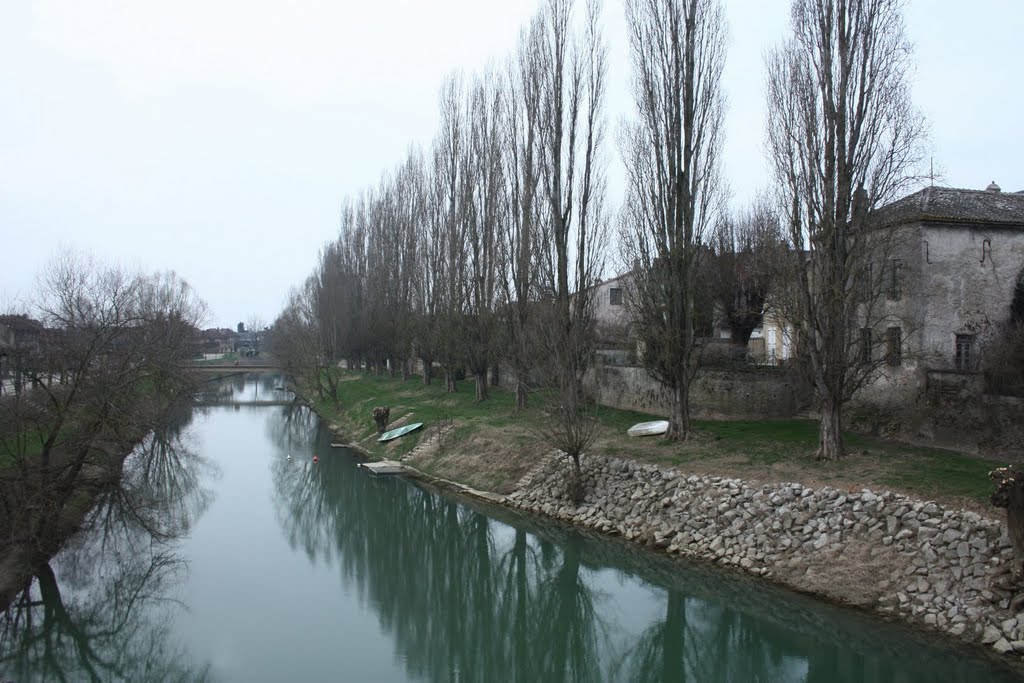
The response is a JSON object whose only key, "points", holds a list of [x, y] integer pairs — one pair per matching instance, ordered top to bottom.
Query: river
{"points": [[221, 558]]}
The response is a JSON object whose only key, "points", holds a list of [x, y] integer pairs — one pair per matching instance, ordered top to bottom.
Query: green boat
{"points": [[400, 431]]}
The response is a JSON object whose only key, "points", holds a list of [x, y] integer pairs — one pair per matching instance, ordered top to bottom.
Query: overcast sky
{"points": [[217, 138]]}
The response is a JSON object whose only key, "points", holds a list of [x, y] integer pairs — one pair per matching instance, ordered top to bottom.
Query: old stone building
{"points": [[953, 281], [948, 285], [945, 295], [941, 296], [613, 320]]}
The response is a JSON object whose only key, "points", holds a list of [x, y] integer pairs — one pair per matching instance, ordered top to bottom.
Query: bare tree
{"points": [[571, 72], [843, 139], [522, 187], [675, 189], [411, 200], [485, 214], [448, 232], [392, 252], [748, 253], [427, 280], [333, 300], [257, 327], [298, 342], [113, 349], [1003, 359]]}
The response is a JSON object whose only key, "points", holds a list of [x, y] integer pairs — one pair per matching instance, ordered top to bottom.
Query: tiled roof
{"points": [[948, 204]]}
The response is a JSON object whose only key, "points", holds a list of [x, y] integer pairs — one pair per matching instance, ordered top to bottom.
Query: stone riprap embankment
{"points": [[945, 569]]}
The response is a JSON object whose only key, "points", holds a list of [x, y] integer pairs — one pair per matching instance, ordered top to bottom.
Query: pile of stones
{"points": [[951, 571]]}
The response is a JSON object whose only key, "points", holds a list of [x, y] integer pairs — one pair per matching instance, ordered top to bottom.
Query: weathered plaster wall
{"points": [[968, 286], [604, 312], [753, 393]]}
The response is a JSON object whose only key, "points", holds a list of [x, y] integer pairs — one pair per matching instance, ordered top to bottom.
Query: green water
{"points": [[221, 559]]}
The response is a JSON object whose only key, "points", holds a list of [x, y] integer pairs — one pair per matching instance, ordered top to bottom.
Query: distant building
{"points": [[23, 331], [6, 338], [220, 340], [21, 343]]}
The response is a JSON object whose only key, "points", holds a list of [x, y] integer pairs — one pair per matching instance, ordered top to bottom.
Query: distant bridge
{"points": [[232, 367], [207, 402]]}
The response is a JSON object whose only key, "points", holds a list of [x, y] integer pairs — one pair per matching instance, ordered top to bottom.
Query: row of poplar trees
{"points": [[485, 247]]}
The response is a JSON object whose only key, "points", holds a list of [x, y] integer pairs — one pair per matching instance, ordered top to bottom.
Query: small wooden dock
{"points": [[383, 467]]}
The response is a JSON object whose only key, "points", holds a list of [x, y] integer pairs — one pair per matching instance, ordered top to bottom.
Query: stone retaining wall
{"points": [[751, 392], [945, 569]]}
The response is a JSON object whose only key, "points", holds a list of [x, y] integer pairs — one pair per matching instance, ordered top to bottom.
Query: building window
{"points": [[893, 280], [864, 285], [615, 296], [865, 345], [893, 346], [964, 352]]}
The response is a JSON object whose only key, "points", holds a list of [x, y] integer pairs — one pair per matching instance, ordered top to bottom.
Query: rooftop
{"points": [[949, 204]]}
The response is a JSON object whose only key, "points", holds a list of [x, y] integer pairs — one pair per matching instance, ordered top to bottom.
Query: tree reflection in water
{"points": [[463, 591], [471, 595], [459, 602], [106, 618]]}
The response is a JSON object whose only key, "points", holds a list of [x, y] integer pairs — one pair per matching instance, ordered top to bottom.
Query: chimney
{"points": [[992, 187]]}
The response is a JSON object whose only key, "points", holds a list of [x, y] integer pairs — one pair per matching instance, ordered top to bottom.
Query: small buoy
{"points": [[289, 456], [316, 459]]}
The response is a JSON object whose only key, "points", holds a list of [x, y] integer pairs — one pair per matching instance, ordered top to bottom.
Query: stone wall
{"points": [[755, 393], [943, 408], [945, 569]]}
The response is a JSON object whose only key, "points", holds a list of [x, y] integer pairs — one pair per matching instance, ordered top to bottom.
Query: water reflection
{"points": [[256, 389], [325, 557], [468, 597], [458, 602], [107, 617]]}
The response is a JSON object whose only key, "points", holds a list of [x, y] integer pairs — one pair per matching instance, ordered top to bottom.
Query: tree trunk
{"points": [[406, 369], [428, 371], [495, 375], [332, 384], [481, 384], [450, 385], [520, 394], [679, 420], [830, 430], [575, 490], [1015, 529]]}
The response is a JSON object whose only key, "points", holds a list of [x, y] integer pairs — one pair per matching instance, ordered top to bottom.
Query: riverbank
{"points": [[928, 561], [939, 568]]}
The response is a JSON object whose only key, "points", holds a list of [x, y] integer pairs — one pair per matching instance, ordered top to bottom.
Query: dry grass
{"points": [[488, 459], [858, 575]]}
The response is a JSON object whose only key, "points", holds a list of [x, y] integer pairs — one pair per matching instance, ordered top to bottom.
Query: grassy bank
{"points": [[490, 446]]}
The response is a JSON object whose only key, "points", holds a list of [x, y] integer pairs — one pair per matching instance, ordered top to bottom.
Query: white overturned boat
{"points": [[648, 428]]}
